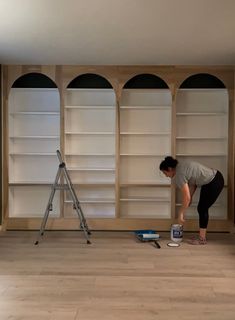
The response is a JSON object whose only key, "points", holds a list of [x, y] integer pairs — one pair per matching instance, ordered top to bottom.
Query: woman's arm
{"points": [[192, 190], [186, 200]]}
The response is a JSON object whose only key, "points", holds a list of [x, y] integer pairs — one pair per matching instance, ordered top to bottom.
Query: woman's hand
{"points": [[181, 218]]}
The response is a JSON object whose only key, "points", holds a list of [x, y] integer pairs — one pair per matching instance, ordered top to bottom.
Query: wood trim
{"points": [[58, 81], [5, 93], [1, 142], [173, 149], [232, 152], [231, 155], [117, 160], [113, 224]]}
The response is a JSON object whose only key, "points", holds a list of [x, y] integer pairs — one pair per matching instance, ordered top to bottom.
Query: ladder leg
{"points": [[71, 189], [77, 206], [48, 207], [83, 224]]}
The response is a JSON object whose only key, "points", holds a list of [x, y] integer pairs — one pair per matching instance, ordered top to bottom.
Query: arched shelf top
{"points": [[34, 80], [89, 81], [146, 81], [202, 81]]}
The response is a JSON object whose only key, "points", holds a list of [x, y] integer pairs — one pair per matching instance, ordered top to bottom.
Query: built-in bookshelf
{"points": [[113, 127], [90, 130], [202, 135], [34, 137], [145, 139]]}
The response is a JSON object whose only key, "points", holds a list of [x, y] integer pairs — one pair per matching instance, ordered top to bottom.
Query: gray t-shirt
{"points": [[193, 173]]}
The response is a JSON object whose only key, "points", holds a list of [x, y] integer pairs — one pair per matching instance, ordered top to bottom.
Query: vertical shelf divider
{"points": [[117, 158]]}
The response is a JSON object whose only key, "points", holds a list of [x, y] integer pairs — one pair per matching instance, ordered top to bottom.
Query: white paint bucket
{"points": [[177, 232]]}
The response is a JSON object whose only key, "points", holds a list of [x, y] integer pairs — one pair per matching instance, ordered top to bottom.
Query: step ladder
{"points": [[76, 205]]}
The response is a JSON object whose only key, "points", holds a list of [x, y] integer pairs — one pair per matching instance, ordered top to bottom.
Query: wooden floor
{"points": [[115, 278]]}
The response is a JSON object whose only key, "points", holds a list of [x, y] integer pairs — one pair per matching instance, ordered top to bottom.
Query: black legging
{"points": [[208, 195]]}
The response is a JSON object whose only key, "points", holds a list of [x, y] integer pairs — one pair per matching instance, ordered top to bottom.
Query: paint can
{"points": [[177, 232]]}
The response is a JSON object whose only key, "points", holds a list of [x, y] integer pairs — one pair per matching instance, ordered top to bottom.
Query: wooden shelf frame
{"points": [[62, 75]]}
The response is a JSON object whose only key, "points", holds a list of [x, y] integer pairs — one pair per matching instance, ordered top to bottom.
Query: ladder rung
{"points": [[60, 187]]}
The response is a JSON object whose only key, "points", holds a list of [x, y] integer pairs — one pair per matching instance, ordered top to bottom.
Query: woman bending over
{"points": [[187, 176]]}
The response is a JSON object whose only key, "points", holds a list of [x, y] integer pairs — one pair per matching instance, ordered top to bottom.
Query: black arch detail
{"points": [[34, 80], [90, 81], [146, 81], [202, 81]]}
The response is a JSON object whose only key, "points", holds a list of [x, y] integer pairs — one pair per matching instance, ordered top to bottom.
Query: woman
{"points": [[188, 176]]}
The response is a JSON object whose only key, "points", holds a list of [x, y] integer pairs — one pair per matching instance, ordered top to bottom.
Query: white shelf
{"points": [[90, 107], [146, 107], [35, 113], [200, 114], [89, 133], [146, 133], [34, 137], [201, 138], [32, 154], [90, 154], [142, 155], [201, 155], [91, 169], [30, 183], [94, 184], [144, 184], [139, 199], [92, 201]]}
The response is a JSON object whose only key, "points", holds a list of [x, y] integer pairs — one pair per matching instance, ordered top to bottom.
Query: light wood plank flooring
{"points": [[115, 278]]}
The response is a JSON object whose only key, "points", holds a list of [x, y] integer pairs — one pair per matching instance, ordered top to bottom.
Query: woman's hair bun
{"points": [[169, 158], [168, 162]]}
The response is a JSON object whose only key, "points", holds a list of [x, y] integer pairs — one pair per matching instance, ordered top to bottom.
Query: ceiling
{"points": [[117, 32]]}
